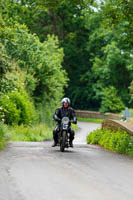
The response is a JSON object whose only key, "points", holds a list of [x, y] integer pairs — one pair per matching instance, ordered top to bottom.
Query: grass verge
{"points": [[90, 120], [34, 133]]}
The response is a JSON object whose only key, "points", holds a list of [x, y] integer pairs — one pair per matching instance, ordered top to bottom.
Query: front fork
{"points": [[67, 139]]}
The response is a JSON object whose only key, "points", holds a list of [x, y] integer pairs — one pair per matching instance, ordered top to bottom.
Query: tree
{"points": [[118, 11], [110, 58], [42, 60], [40, 64], [111, 102]]}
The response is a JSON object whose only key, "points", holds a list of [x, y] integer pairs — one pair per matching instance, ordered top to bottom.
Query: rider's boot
{"points": [[55, 137], [54, 144], [71, 144]]}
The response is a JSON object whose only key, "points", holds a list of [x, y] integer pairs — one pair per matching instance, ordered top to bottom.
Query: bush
{"points": [[5, 60], [42, 62], [34, 66], [16, 79], [111, 102], [16, 108], [3, 135], [94, 137], [104, 140], [118, 141]]}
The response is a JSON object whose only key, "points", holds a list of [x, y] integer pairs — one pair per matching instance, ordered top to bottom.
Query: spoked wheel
{"points": [[63, 141]]}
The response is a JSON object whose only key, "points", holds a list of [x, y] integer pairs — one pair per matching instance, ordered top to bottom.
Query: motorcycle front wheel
{"points": [[63, 141]]}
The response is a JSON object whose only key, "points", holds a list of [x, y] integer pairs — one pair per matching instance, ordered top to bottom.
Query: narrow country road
{"points": [[36, 171]]}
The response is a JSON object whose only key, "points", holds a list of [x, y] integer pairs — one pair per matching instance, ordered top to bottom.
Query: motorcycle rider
{"points": [[64, 111]]}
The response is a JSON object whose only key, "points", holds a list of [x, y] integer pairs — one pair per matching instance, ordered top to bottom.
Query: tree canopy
{"points": [[81, 49]]}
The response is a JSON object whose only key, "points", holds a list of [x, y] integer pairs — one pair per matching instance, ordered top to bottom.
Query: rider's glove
{"points": [[58, 120], [75, 121]]}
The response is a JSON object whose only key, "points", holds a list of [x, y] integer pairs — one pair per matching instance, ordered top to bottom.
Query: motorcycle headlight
{"points": [[65, 120]]}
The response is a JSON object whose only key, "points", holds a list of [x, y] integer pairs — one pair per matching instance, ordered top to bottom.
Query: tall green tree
{"points": [[118, 11], [42, 60], [110, 60]]}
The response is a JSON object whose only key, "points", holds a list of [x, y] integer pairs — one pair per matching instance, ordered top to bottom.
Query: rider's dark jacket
{"points": [[65, 112]]}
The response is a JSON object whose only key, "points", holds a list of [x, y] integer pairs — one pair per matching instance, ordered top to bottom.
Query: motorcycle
{"points": [[63, 135]]}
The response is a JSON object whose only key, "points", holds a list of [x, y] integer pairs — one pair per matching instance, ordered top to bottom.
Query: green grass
{"points": [[131, 110], [90, 120], [34, 133], [37, 133]]}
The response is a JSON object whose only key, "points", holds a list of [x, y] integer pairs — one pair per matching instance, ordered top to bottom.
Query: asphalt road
{"points": [[36, 171]]}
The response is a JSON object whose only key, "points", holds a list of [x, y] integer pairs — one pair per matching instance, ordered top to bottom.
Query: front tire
{"points": [[63, 141]]}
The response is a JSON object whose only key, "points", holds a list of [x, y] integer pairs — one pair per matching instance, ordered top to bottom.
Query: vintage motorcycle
{"points": [[63, 135]]}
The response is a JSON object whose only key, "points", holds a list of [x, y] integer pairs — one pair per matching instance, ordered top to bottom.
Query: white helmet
{"points": [[65, 100]]}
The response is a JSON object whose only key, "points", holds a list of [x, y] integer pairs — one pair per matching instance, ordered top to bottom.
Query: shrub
{"points": [[5, 60], [43, 61], [33, 66], [16, 79], [111, 102], [16, 108], [9, 112], [3, 135], [94, 137], [105, 138], [118, 141]]}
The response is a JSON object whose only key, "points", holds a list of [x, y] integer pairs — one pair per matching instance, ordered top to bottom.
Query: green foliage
{"points": [[56, 3], [116, 12], [56, 17], [97, 46], [109, 59], [5, 60], [41, 60], [35, 68], [112, 68], [16, 79], [11, 81], [131, 91], [111, 102], [17, 108], [34, 133], [3, 135], [94, 137], [118, 141]]}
